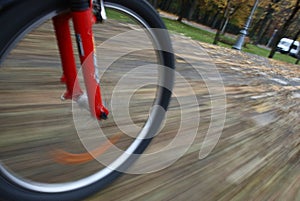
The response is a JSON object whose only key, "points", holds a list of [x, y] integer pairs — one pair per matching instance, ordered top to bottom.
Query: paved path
{"points": [[258, 154]]}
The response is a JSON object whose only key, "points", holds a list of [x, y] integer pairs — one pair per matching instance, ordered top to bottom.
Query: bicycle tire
{"points": [[36, 12]]}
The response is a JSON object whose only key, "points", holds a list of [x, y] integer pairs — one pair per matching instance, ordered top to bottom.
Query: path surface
{"points": [[257, 156]]}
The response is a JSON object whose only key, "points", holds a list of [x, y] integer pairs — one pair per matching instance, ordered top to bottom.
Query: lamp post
{"points": [[243, 33]]}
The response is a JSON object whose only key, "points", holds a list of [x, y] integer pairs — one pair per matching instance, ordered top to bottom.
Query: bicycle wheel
{"points": [[40, 134]]}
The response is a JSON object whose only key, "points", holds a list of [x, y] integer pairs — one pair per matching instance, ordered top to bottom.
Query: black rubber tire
{"points": [[21, 15]]}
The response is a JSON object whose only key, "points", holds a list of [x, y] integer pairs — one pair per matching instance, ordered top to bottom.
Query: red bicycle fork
{"points": [[83, 20]]}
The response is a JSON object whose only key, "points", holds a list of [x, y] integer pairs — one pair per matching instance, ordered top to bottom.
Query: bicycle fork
{"points": [[83, 20]]}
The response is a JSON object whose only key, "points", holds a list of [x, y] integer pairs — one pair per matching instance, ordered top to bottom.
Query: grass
{"points": [[112, 14], [187, 30], [208, 37], [265, 53], [285, 58]]}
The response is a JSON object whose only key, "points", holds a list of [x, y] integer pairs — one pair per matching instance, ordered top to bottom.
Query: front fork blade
{"points": [[82, 22]]}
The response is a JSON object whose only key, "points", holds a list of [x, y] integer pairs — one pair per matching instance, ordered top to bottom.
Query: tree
{"points": [[154, 3], [165, 5], [193, 7], [231, 7], [186, 9], [182, 10], [232, 10], [262, 23], [283, 29], [217, 36], [294, 40]]}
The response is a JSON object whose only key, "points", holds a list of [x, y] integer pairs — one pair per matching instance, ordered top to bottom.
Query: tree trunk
{"points": [[154, 3], [165, 5], [192, 9], [181, 11], [229, 13], [205, 18], [214, 22], [259, 24], [224, 26], [256, 26], [263, 26], [284, 28], [266, 31], [262, 32], [217, 36], [294, 39], [298, 53]]}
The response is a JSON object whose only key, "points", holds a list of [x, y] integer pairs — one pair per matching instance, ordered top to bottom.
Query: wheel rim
{"points": [[63, 187]]}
